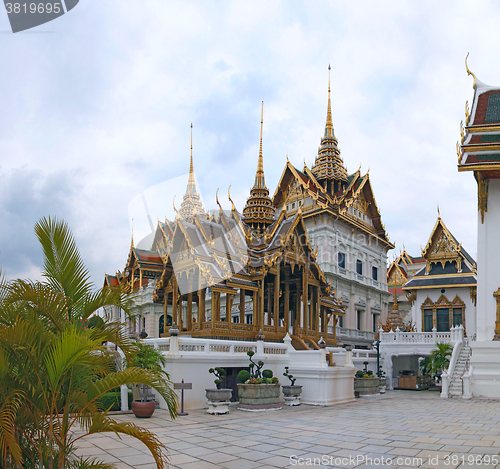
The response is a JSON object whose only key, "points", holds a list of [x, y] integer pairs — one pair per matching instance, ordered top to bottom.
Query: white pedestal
{"points": [[218, 407]]}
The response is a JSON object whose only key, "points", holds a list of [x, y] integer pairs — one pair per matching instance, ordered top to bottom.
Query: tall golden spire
{"points": [[329, 123], [329, 168], [260, 182], [191, 203], [259, 211]]}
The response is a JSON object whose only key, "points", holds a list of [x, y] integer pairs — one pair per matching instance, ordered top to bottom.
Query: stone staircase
{"points": [[455, 389]]}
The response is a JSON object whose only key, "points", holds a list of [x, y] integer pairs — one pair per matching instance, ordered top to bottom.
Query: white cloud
{"points": [[104, 104]]}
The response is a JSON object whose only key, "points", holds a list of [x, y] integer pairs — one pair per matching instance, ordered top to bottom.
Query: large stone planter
{"points": [[366, 386], [292, 394], [259, 397], [218, 401]]}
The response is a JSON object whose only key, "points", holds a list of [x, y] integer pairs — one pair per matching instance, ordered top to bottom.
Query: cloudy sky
{"points": [[97, 106]]}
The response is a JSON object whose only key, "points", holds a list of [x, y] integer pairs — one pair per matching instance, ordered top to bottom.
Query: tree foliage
{"points": [[440, 358], [54, 370]]}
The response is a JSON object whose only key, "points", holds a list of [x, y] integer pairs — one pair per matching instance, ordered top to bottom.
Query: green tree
{"points": [[440, 358], [53, 369]]}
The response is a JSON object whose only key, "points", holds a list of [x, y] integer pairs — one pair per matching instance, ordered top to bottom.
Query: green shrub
{"points": [[267, 374], [359, 374], [243, 375], [110, 399]]}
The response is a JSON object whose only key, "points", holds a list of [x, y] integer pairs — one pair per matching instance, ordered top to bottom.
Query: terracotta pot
{"points": [[143, 410]]}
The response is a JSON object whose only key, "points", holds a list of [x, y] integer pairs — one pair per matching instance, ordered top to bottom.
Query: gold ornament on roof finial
{"points": [[469, 72], [467, 113], [459, 154], [217, 199], [233, 208], [175, 209], [439, 214]]}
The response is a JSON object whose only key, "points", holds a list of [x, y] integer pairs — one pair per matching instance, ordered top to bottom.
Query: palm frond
{"points": [[64, 268], [9, 446], [157, 449]]}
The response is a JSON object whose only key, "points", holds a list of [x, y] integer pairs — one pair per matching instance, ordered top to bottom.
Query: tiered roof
{"points": [[480, 140], [328, 168]]}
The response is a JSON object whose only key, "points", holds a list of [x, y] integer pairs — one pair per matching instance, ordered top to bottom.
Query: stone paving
{"points": [[401, 429]]}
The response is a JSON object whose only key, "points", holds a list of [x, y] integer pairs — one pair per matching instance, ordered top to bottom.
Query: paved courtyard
{"points": [[404, 429]]}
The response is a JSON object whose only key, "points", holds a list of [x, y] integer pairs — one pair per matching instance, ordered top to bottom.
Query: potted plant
{"points": [[152, 359], [440, 360], [365, 383], [258, 391], [291, 392], [218, 398]]}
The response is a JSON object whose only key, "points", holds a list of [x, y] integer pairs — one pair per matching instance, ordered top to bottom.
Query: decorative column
{"points": [[305, 297], [277, 299], [242, 305], [286, 306], [201, 307], [214, 308], [189, 311], [497, 316], [175, 319]]}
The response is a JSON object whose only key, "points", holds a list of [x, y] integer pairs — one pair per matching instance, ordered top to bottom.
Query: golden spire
{"points": [[329, 122], [328, 167], [259, 177], [191, 182], [191, 203], [259, 210], [132, 241]]}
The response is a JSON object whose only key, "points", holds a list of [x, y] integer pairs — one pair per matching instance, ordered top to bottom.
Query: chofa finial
{"points": [[469, 72]]}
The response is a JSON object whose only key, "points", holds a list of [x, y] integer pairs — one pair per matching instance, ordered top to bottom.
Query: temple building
{"points": [[344, 224], [310, 260], [443, 292]]}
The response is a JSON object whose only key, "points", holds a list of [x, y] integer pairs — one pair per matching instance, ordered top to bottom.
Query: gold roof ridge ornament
{"points": [[469, 72], [233, 208]]}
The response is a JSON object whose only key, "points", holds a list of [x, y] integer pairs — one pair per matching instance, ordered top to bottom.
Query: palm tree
{"points": [[440, 358], [53, 369]]}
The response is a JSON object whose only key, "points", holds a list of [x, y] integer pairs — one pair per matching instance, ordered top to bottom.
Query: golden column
{"points": [[277, 298], [242, 305], [286, 307], [497, 322]]}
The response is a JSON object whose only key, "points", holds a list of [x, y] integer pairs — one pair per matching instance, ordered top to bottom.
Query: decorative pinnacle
{"points": [[329, 122], [191, 166], [259, 177]]}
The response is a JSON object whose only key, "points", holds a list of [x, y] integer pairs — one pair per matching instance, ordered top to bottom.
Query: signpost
{"points": [[182, 385]]}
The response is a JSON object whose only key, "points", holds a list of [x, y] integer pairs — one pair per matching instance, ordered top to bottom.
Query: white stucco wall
{"points": [[488, 263], [450, 293]]}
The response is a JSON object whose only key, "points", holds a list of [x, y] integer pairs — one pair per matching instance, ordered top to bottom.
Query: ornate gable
{"points": [[442, 248], [395, 276]]}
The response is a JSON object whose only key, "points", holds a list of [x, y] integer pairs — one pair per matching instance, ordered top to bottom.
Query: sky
{"points": [[97, 107]]}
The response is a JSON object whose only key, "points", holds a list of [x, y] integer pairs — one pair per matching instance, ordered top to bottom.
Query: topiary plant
{"points": [[257, 366], [267, 374], [219, 375], [243, 376], [289, 376]]}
